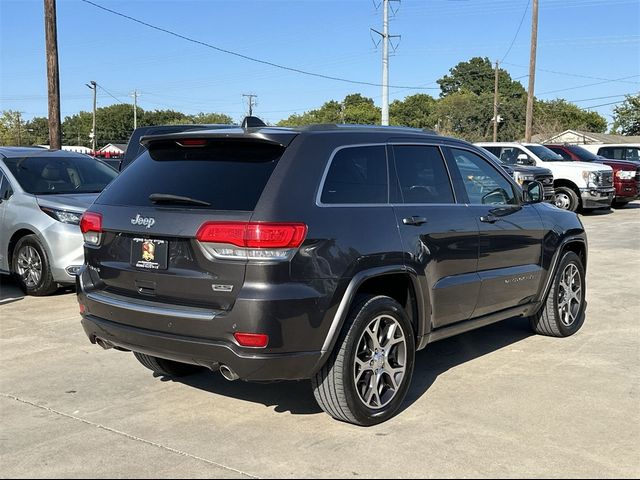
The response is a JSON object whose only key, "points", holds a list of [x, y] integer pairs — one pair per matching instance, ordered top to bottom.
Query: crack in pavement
{"points": [[127, 435]]}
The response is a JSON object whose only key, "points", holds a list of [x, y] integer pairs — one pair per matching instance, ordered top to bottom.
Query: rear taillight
{"points": [[192, 142], [91, 228], [252, 240], [253, 340]]}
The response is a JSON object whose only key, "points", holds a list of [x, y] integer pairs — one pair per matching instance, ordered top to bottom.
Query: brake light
{"points": [[192, 142], [91, 228], [254, 234], [255, 240], [253, 340]]}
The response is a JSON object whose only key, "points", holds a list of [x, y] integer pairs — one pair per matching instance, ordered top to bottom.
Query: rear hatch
{"points": [[152, 212]]}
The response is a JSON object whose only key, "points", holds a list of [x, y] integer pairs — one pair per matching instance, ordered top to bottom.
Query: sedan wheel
{"points": [[29, 266]]}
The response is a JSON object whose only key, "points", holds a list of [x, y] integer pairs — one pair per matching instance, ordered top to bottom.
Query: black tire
{"points": [[566, 199], [616, 204], [31, 245], [549, 319], [166, 367], [335, 386]]}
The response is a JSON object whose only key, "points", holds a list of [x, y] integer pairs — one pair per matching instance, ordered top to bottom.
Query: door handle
{"points": [[489, 218], [413, 220]]}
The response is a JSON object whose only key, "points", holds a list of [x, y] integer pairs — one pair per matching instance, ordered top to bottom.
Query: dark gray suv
{"points": [[330, 253]]}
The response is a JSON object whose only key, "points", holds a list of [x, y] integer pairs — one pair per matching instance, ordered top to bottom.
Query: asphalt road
{"points": [[496, 402]]}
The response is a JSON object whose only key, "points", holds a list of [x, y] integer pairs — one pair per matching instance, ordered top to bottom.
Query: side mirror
{"points": [[523, 159], [533, 192]]}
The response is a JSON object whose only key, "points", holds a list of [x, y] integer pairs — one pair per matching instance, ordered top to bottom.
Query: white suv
{"points": [[616, 151], [577, 184]]}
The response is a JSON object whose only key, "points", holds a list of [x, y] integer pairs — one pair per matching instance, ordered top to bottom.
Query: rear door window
{"points": [[227, 174], [357, 175], [422, 175]]}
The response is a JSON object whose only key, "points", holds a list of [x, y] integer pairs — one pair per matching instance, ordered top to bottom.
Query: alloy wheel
{"points": [[29, 266], [570, 294], [380, 362]]}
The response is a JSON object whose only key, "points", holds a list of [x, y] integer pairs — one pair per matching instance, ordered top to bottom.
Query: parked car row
{"points": [[581, 180]]}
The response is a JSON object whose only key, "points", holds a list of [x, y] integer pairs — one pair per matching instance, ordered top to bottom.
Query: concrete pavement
{"points": [[496, 402]]}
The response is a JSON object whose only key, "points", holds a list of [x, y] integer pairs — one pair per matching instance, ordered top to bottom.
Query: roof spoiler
{"points": [[251, 122]]}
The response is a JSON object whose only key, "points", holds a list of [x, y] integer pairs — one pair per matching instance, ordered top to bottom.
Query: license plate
{"points": [[150, 254]]}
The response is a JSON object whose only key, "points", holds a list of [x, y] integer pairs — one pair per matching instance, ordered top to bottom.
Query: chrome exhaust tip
{"points": [[104, 344], [228, 374]]}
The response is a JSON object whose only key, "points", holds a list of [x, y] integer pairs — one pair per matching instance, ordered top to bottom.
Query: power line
{"points": [[524, 14], [246, 57], [570, 74], [588, 85], [111, 94], [599, 98], [603, 105]]}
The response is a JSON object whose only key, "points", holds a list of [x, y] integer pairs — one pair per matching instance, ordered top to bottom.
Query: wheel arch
{"points": [[563, 182], [15, 238], [574, 243], [397, 282]]}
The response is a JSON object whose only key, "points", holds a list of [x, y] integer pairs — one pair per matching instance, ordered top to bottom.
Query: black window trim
{"points": [[446, 166], [458, 183], [319, 201]]}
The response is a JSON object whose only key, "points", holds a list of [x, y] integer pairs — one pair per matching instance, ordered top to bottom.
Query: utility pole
{"points": [[385, 60], [532, 72], [53, 74], [93, 86], [251, 102], [495, 106], [135, 109], [19, 122]]}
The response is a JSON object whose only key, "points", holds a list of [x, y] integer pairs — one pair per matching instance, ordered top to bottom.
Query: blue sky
{"points": [[580, 42]]}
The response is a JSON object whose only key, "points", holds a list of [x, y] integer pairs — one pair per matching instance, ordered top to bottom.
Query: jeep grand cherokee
{"points": [[328, 253]]}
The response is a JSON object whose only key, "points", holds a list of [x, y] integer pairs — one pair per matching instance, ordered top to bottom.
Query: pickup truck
{"points": [[577, 185]]}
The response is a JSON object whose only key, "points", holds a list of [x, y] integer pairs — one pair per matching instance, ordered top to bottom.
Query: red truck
{"points": [[626, 175]]}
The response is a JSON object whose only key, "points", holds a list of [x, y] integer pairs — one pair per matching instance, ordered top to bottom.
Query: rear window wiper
{"points": [[169, 198]]}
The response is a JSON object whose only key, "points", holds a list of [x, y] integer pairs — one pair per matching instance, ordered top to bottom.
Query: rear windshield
{"points": [[50, 175], [228, 175]]}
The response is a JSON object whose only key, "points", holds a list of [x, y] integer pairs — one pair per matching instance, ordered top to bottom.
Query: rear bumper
{"points": [[597, 197], [293, 321], [208, 353]]}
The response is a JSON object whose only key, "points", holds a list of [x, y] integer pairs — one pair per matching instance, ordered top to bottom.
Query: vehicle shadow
{"points": [[597, 212], [9, 290], [297, 397]]}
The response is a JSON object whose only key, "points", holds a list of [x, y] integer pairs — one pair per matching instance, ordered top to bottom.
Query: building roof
{"points": [[587, 137], [119, 146]]}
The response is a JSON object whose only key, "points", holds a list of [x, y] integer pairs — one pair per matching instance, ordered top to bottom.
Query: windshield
{"points": [[584, 154], [546, 155], [50, 175]]}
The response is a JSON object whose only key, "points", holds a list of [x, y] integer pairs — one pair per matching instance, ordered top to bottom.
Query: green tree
{"points": [[478, 76], [354, 109], [418, 111], [554, 116], [163, 117], [626, 117], [211, 118], [11, 128], [37, 131]]}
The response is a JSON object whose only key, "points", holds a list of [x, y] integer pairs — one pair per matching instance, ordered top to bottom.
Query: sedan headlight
{"points": [[626, 174], [522, 178], [63, 216]]}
